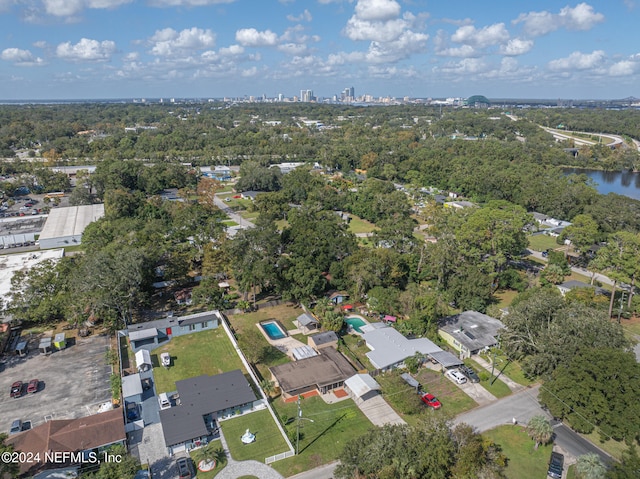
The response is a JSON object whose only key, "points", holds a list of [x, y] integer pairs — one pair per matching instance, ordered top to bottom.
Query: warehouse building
{"points": [[64, 226]]}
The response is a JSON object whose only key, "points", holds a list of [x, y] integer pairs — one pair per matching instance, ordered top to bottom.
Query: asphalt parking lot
{"points": [[73, 382]]}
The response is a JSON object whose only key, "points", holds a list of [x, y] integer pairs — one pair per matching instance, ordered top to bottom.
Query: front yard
{"points": [[207, 352], [498, 388], [453, 399], [269, 440], [322, 440], [523, 459]]}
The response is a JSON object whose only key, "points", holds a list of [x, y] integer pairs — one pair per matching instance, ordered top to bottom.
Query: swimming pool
{"points": [[355, 322], [273, 330]]}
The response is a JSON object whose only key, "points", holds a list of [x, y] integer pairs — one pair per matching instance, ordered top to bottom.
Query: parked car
{"points": [[166, 359], [470, 374], [456, 376], [32, 387], [16, 389], [430, 400], [16, 426], [556, 465], [185, 470]]}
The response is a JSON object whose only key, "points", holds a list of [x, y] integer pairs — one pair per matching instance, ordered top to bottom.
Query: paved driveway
{"points": [[73, 382], [378, 411]]}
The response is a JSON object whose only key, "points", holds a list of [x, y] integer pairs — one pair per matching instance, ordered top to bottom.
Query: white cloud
{"points": [[186, 3], [66, 8], [377, 10], [306, 15], [580, 17], [359, 29], [250, 37], [485, 37], [170, 43], [516, 46], [292, 48], [86, 50], [232, 50], [20, 57], [578, 61], [623, 68], [249, 72]]}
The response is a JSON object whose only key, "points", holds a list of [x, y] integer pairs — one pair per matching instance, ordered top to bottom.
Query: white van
{"points": [[456, 376], [164, 401]]}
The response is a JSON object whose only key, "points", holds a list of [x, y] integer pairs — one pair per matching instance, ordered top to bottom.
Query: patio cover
{"points": [[361, 384]]}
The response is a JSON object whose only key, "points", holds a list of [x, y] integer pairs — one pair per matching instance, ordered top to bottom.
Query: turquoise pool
{"points": [[355, 322], [273, 330]]}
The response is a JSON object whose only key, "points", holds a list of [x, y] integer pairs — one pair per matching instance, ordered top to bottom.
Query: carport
{"points": [[446, 359], [362, 385]]}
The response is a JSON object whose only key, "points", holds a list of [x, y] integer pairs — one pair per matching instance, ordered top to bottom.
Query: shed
{"points": [[307, 323], [59, 341], [319, 341], [45, 345], [22, 348], [143, 360], [410, 380], [361, 384]]}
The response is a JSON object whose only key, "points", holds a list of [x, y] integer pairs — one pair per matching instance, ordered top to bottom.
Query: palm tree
{"points": [[268, 387], [540, 430], [211, 453], [589, 466]]}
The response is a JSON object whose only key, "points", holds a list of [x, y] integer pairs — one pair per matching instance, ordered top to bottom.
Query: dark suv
{"points": [[470, 374], [556, 465], [184, 468]]}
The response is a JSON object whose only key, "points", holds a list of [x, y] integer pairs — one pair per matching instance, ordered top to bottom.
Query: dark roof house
{"points": [[470, 331]]}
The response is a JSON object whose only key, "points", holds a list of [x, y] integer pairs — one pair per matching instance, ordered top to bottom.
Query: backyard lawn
{"points": [[358, 225], [542, 242], [355, 348], [207, 352], [453, 399], [269, 440], [322, 440], [523, 459]]}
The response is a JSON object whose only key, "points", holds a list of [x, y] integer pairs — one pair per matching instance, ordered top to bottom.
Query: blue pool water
{"points": [[355, 322], [273, 330]]}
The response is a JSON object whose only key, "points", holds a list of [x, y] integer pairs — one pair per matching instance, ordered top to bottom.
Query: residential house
{"points": [[250, 195], [574, 284], [337, 297], [307, 323], [470, 332], [151, 334], [389, 348], [322, 373], [201, 401], [93, 434]]}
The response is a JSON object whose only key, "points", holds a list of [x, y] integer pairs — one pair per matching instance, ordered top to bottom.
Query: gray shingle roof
{"points": [[472, 329]]}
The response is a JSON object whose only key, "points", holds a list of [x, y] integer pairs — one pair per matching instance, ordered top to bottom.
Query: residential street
{"points": [[243, 223], [599, 277], [574, 444]]}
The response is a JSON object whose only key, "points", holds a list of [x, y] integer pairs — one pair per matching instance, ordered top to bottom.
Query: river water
{"points": [[621, 182]]}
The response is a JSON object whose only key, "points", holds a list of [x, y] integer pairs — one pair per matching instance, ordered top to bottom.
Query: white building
{"points": [[64, 226]]}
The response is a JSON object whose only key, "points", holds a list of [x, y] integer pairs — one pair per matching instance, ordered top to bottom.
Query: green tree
{"points": [[583, 232], [552, 274], [586, 391], [540, 430], [590, 466], [628, 467], [7, 468], [126, 468]]}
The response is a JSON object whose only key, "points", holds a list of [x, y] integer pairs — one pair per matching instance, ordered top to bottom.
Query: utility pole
{"points": [[621, 303], [299, 418]]}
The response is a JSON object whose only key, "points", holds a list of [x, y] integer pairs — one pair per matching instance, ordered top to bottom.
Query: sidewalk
{"points": [[514, 386]]}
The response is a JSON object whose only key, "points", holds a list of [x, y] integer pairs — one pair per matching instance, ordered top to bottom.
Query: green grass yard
{"points": [[358, 225], [542, 242], [207, 352], [513, 370], [499, 389], [454, 400], [269, 440], [322, 440], [198, 454], [523, 459]]}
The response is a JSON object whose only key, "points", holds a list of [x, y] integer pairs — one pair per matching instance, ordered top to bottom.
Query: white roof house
{"points": [[64, 226], [389, 348]]}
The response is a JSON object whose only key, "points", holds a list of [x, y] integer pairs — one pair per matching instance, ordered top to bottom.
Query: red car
{"points": [[33, 386], [16, 389], [431, 401]]}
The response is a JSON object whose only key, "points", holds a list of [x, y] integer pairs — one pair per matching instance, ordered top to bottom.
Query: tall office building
{"points": [[348, 94], [306, 95]]}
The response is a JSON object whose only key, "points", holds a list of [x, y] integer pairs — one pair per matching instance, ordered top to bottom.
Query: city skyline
{"points": [[73, 49]]}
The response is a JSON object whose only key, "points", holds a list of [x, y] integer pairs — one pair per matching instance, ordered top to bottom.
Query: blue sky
{"points": [[74, 49]]}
